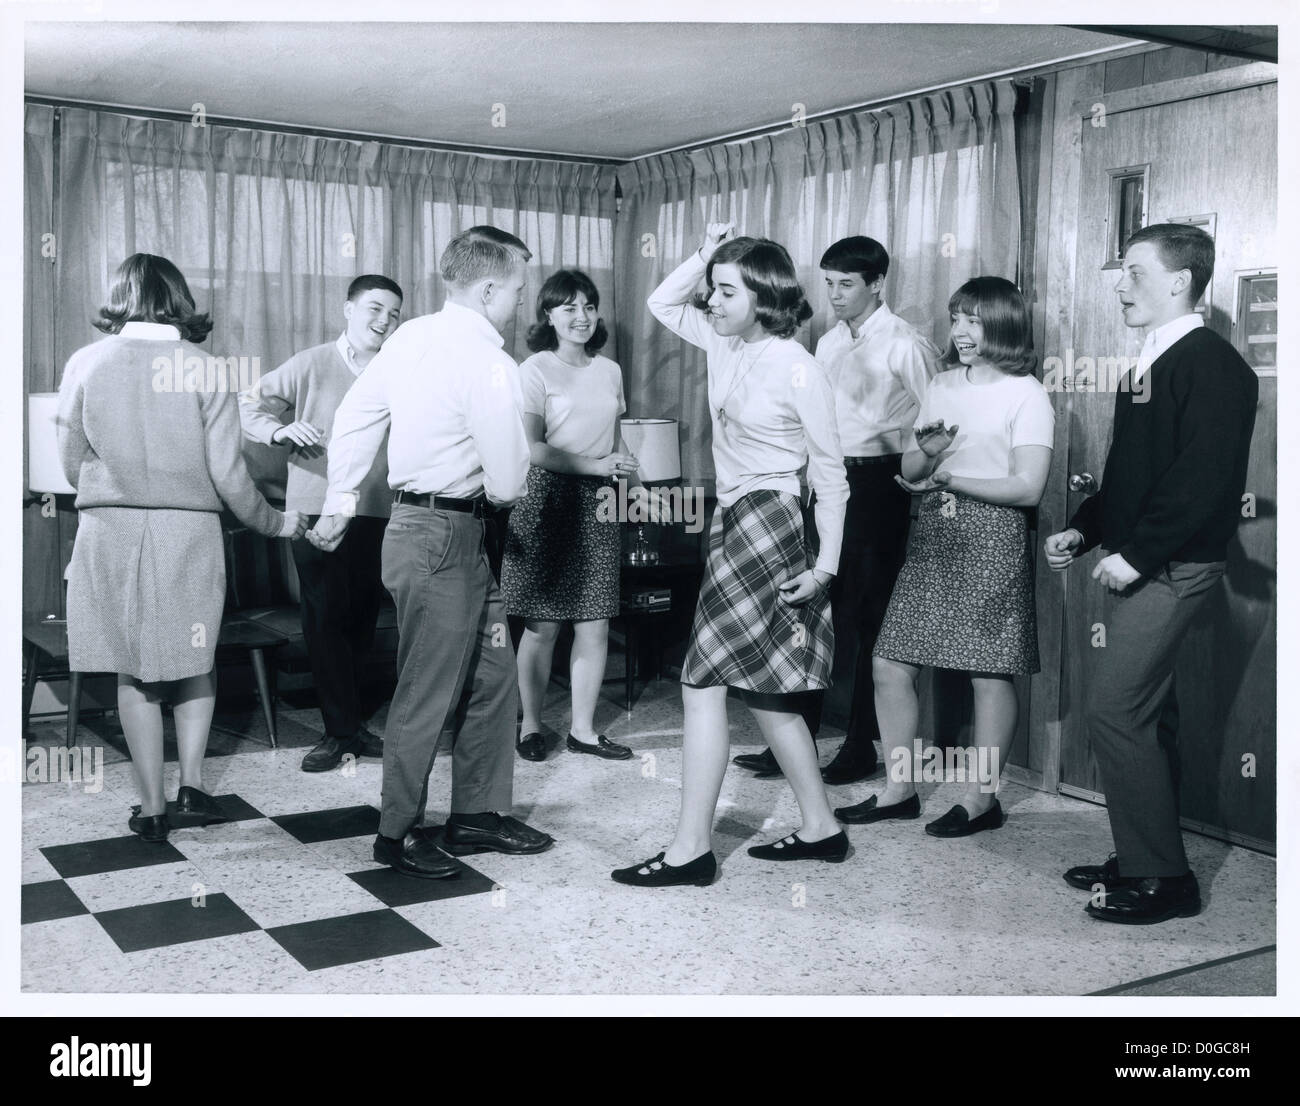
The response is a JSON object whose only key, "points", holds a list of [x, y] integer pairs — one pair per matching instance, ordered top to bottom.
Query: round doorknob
{"points": [[1083, 482]]}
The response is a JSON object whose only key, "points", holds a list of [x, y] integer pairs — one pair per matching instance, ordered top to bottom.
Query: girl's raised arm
{"points": [[671, 304]]}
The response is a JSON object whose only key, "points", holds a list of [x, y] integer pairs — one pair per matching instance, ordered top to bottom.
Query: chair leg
{"points": [[30, 653], [264, 692], [74, 706]]}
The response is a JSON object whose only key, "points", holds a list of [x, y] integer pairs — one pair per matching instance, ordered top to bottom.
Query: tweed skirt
{"points": [[561, 552], [146, 591], [965, 596], [744, 635]]}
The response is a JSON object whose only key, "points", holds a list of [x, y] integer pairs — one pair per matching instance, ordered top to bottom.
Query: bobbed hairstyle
{"points": [[1180, 246], [857, 254], [471, 257], [767, 271], [368, 282], [560, 288], [150, 289], [1008, 326]]}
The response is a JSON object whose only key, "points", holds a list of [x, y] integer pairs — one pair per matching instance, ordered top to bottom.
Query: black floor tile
{"points": [[234, 808], [330, 825], [113, 854], [394, 889], [43, 902], [173, 923], [351, 938]]}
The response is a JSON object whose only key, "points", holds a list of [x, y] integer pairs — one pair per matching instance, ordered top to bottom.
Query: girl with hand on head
{"points": [[561, 560], [964, 599], [762, 623]]}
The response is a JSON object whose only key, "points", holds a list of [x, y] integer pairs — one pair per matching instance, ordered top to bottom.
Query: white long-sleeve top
{"points": [[449, 397], [779, 412]]}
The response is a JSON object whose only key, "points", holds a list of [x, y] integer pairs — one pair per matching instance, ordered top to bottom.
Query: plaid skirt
{"points": [[561, 553], [965, 596], [744, 635]]}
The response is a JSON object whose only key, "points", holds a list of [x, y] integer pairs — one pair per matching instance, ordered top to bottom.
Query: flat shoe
{"points": [[372, 745], [531, 747], [598, 748], [330, 753], [756, 762], [850, 767], [195, 808], [867, 811], [957, 823], [154, 827], [509, 836], [832, 849], [416, 856], [699, 872], [1087, 877], [1150, 900]]}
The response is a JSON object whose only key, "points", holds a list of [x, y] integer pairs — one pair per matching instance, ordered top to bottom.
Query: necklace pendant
{"points": [[722, 416]]}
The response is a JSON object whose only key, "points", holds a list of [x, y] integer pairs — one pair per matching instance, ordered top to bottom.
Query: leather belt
{"points": [[882, 459], [473, 506]]}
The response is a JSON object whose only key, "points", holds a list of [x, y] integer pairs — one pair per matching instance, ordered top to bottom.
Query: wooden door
{"points": [[1212, 154]]}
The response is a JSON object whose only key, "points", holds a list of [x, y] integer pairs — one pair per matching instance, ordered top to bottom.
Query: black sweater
{"points": [[1176, 468]]}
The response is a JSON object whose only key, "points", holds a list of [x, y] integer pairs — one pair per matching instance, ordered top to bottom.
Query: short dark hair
{"points": [[501, 238], [1180, 246], [858, 254], [471, 257], [767, 271], [369, 281], [560, 288], [150, 289], [1008, 325]]}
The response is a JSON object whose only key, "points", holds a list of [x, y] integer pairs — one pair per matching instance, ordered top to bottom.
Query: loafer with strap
{"points": [[531, 747], [601, 747], [330, 752], [756, 762], [850, 766], [195, 808], [870, 811], [958, 823], [151, 827], [509, 835], [832, 849], [416, 855], [699, 872], [1088, 877], [1149, 900]]}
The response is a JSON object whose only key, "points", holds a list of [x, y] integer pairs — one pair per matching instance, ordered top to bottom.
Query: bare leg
{"points": [[533, 663], [587, 674], [192, 706], [996, 710], [896, 712], [141, 716], [787, 736], [705, 743]]}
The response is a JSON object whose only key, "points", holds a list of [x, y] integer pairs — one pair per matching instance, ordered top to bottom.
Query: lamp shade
{"points": [[654, 444], [44, 470]]}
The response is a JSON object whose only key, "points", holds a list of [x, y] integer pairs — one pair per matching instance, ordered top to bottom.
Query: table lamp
{"points": [[654, 444]]}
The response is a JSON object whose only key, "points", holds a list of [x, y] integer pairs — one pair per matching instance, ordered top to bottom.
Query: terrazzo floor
{"points": [[286, 898]]}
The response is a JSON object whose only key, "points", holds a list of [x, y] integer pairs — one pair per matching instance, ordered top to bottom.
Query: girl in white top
{"points": [[561, 560], [964, 598], [762, 623]]}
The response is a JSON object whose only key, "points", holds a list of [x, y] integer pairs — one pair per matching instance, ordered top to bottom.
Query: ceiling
{"points": [[606, 90]]}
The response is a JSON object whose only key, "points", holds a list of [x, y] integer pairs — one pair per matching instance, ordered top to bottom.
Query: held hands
{"points": [[713, 236], [302, 436], [933, 438], [615, 465], [933, 482], [294, 525], [328, 532], [1060, 549], [1115, 572], [797, 590]]}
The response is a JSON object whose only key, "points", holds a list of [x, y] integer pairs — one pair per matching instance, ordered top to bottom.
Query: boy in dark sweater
{"points": [[1169, 504]]}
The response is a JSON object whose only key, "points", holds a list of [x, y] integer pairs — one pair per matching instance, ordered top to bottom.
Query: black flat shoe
{"points": [[372, 745], [531, 747], [598, 748], [330, 753], [756, 762], [850, 766], [195, 808], [867, 811], [957, 823], [154, 827], [509, 835], [832, 849], [415, 855], [699, 872], [1088, 877], [1150, 900]]}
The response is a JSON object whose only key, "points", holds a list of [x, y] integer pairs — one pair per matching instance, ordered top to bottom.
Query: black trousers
{"points": [[341, 593]]}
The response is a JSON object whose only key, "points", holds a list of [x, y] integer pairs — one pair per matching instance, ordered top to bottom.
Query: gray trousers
{"points": [[455, 668], [1132, 715]]}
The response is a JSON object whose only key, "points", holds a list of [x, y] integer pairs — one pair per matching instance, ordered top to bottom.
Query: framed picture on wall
{"points": [[1127, 211], [1207, 223], [1254, 319]]}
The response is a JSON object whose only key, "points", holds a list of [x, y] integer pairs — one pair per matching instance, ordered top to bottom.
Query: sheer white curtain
{"points": [[933, 179]]}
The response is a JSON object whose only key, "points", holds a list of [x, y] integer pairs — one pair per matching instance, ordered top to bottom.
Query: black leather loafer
{"points": [[372, 745], [531, 747], [598, 748], [330, 753], [757, 762], [850, 766], [195, 808], [867, 811], [957, 823], [154, 827], [510, 835], [832, 849], [415, 855], [699, 872], [1087, 877], [1150, 900]]}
